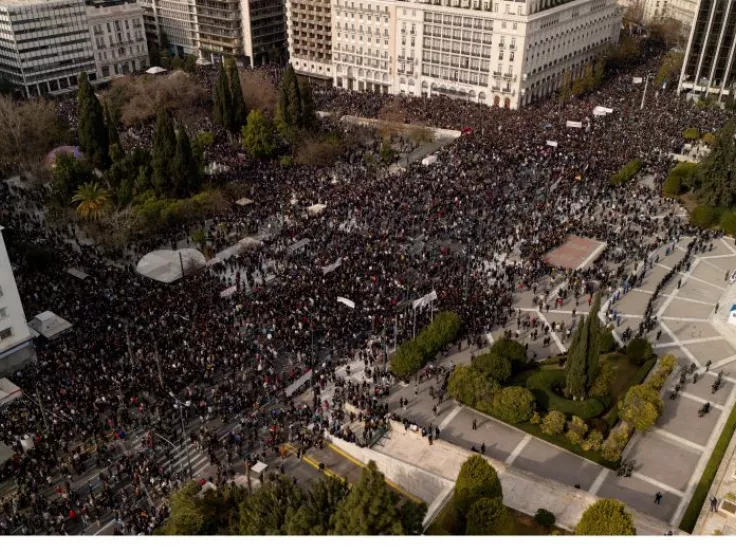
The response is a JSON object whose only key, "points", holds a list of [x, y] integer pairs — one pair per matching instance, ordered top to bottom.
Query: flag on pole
{"points": [[346, 302]]}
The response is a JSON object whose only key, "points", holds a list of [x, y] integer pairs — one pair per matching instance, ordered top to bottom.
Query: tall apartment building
{"points": [[253, 30], [309, 30], [118, 37], [45, 44], [498, 52], [709, 58], [16, 346]]}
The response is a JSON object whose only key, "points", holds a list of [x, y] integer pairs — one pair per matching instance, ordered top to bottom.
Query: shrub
{"points": [[691, 134], [709, 139], [626, 173], [672, 186], [703, 216], [728, 222], [606, 341], [512, 350], [639, 350], [413, 354], [493, 365], [664, 370], [602, 384], [542, 385], [470, 387], [513, 404], [641, 407], [536, 419], [553, 423], [576, 430], [574, 437], [593, 442], [616, 442], [477, 479], [488, 516], [606, 517], [545, 518]]}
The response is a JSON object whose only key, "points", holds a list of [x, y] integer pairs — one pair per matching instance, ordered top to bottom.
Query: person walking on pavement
{"points": [[717, 308], [475, 424], [483, 448], [658, 498], [713, 504]]}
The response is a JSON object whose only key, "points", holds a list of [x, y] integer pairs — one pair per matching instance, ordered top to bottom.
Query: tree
{"points": [[669, 71], [223, 103], [289, 108], [239, 109], [309, 116], [91, 130], [258, 135], [113, 139], [164, 149], [184, 169], [717, 172], [68, 174], [92, 201], [639, 350], [513, 351], [575, 365], [493, 366], [593, 366], [471, 387], [513, 404], [641, 407], [553, 423], [477, 479], [370, 507], [269, 509], [316, 515], [412, 516], [488, 516], [606, 517], [185, 518], [545, 518]]}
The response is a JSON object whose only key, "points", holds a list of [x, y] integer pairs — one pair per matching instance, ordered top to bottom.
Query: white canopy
{"points": [[155, 70], [429, 160], [243, 201], [316, 209], [165, 265]]}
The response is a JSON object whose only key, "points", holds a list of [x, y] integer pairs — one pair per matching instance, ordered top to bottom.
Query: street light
{"points": [[180, 407]]}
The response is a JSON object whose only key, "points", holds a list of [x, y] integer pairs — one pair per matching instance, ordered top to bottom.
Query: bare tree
{"points": [[28, 131]]}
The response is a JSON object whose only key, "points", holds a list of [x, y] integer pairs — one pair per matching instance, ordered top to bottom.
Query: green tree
{"points": [[669, 71], [223, 102], [289, 107], [239, 109], [309, 116], [91, 130], [258, 135], [113, 139], [164, 149], [184, 170], [717, 172], [68, 174], [92, 201], [639, 350], [513, 351], [576, 358], [593, 365], [493, 366], [471, 387], [513, 404], [641, 407], [477, 479], [370, 508], [269, 509], [316, 515], [412, 516], [488, 516], [606, 517], [185, 518], [545, 518]]}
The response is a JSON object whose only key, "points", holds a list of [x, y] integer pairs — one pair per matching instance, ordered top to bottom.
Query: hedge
{"points": [[626, 173], [415, 353], [541, 385]]}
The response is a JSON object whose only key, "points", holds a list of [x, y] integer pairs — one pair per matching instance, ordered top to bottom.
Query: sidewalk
{"points": [[430, 473]]}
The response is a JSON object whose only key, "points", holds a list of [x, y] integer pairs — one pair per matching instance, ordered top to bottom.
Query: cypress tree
{"points": [[294, 99], [223, 101], [239, 109], [309, 117], [91, 129], [113, 138], [164, 148], [182, 165], [594, 346], [576, 358]]}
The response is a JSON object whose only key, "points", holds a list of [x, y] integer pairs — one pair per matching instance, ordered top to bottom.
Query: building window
{"points": [[3, 312], [6, 333]]}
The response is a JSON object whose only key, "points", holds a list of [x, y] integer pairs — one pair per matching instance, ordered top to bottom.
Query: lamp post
{"points": [[644, 94], [180, 407]]}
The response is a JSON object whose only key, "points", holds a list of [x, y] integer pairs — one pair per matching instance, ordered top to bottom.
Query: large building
{"points": [[251, 30], [45, 44], [498, 52], [709, 58], [16, 342]]}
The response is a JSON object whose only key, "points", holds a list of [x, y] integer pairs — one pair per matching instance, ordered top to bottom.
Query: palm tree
{"points": [[92, 201]]}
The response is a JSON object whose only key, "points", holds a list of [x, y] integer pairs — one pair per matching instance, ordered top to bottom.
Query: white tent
{"points": [[155, 70], [429, 160], [243, 201], [316, 209], [165, 265], [49, 325]]}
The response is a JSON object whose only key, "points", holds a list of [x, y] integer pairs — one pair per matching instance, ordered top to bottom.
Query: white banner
{"points": [[638, 80], [574, 124], [552, 143], [329, 268], [228, 292], [426, 300], [346, 302]]}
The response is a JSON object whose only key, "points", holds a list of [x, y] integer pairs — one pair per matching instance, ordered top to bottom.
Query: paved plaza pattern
{"points": [[671, 456]]}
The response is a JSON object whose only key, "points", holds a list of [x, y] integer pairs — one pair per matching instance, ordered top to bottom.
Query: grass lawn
{"points": [[709, 474], [447, 523]]}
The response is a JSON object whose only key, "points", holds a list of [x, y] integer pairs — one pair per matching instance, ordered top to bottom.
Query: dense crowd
{"points": [[474, 226]]}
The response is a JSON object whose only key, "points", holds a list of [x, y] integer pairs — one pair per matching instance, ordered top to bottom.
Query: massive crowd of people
{"points": [[474, 226]]}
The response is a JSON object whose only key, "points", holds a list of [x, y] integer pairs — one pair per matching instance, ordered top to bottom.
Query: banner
{"points": [[638, 80], [574, 124], [552, 143], [329, 268], [423, 301], [346, 302]]}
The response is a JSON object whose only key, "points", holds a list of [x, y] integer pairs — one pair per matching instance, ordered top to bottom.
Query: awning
{"points": [[155, 70]]}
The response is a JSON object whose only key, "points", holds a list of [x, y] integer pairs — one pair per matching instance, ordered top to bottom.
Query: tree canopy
{"points": [[583, 360], [477, 479], [489, 516], [606, 517]]}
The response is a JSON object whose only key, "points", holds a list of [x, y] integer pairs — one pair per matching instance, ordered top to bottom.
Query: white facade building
{"points": [[177, 19], [310, 32], [118, 38], [498, 52], [16, 346]]}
